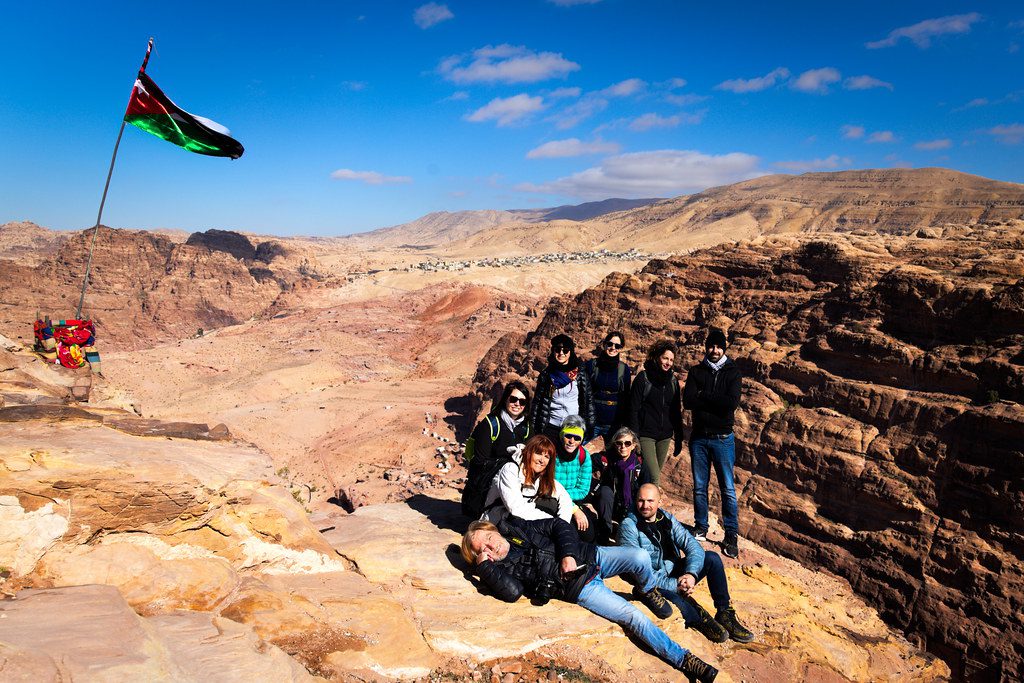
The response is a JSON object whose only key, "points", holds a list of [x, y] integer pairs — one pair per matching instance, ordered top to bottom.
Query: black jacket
{"points": [[713, 397], [540, 409], [656, 412], [488, 458], [533, 564]]}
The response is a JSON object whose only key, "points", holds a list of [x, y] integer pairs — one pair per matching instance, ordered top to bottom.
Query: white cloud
{"points": [[431, 14], [922, 32], [506, 64], [816, 80], [673, 83], [865, 83], [739, 85], [354, 86], [625, 88], [560, 93], [458, 96], [685, 100], [976, 102], [507, 110], [580, 111], [649, 121], [853, 132], [1010, 134], [882, 136], [929, 145], [572, 147], [896, 162], [829, 163], [661, 173], [370, 177]]}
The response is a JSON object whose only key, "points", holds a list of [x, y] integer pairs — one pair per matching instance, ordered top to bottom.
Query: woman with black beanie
{"points": [[562, 390], [655, 408]]}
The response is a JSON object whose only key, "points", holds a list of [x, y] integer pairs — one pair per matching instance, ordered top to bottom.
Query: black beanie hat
{"points": [[715, 338], [563, 340]]}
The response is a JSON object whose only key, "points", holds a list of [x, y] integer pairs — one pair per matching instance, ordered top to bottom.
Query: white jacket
{"points": [[509, 495]]}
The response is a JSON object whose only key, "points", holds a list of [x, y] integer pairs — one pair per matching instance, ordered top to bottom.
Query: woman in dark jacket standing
{"points": [[609, 380], [562, 390], [655, 408], [498, 436]]}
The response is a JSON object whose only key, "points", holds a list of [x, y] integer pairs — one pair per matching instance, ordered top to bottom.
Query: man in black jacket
{"points": [[712, 393], [545, 559]]}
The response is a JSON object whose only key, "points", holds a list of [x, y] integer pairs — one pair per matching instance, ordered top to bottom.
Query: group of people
{"points": [[554, 520]]}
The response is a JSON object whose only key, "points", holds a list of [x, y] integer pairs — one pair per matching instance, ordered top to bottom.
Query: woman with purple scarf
{"points": [[622, 475]]}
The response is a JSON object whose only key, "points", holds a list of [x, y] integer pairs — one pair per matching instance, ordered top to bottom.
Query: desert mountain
{"points": [[888, 201], [27, 243], [881, 430]]}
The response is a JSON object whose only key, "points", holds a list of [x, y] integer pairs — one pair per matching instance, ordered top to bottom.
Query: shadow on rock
{"points": [[461, 413], [444, 514]]}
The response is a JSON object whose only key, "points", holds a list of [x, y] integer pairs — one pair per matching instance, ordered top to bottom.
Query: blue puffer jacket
{"points": [[690, 551]]}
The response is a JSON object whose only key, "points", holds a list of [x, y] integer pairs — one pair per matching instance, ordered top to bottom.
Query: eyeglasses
{"points": [[613, 345], [561, 349], [521, 400], [572, 437], [623, 444]]}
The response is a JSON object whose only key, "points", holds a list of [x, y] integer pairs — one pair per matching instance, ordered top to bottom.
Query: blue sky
{"points": [[357, 114]]}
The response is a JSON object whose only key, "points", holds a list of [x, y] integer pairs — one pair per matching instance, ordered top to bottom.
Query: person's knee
{"points": [[712, 561]]}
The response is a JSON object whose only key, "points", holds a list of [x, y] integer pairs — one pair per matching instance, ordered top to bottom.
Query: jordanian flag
{"points": [[153, 112]]}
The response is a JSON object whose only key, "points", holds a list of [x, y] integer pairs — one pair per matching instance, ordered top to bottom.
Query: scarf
{"points": [[606, 362], [716, 366], [656, 375], [560, 378], [511, 422], [627, 466]]}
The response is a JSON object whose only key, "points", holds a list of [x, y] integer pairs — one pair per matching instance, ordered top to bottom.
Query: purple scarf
{"points": [[627, 466]]}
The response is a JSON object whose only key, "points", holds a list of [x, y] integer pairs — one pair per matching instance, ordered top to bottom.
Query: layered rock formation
{"points": [[881, 433]]}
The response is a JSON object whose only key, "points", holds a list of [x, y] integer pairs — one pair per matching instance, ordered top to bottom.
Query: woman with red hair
{"points": [[526, 487]]}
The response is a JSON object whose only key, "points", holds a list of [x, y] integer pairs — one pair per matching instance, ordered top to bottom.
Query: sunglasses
{"points": [[613, 345], [561, 349], [521, 400], [572, 437], [623, 444]]}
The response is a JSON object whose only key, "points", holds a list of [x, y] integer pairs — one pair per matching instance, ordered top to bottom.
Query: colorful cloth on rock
{"points": [[67, 342]]}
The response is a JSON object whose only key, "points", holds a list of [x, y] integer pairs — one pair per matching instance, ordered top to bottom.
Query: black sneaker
{"points": [[700, 533], [731, 545], [654, 601], [728, 621], [708, 626], [695, 669]]}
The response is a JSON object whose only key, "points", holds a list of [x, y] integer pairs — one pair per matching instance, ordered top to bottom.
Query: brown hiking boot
{"points": [[654, 601], [707, 625], [737, 631]]}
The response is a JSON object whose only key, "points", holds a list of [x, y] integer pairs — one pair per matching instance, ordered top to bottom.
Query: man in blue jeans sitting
{"points": [[712, 393], [545, 559], [679, 564]]}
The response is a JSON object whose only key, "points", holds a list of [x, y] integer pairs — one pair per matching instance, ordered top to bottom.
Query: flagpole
{"points": [[103, 200]]}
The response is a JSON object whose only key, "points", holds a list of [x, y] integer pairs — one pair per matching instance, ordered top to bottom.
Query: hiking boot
{"points": [[700, 533], [731, 545], [654, 601], [728, 621], [709, 627], [695, 669]]}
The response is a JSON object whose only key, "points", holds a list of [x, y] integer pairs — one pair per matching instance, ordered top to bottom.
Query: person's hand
{"points": [[678, 448], [582, 523], [483, 556], [568, 564], [686, 583]]}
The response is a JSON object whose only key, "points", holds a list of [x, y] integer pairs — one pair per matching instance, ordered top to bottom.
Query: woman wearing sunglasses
{"points": [[610, 379], [562, 390], [498, 436], [573, 470], [622, 474], [526, 487]]}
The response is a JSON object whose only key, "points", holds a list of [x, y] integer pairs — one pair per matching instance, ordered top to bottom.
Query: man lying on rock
{"points": [[545, 559], [679, 563]]}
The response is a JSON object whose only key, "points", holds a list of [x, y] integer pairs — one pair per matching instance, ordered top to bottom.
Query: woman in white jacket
{"points": [[526, 487]]}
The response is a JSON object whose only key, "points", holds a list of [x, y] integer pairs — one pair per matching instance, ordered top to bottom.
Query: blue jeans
{"points": [[721, 452], [713, 571], [602, 601]]}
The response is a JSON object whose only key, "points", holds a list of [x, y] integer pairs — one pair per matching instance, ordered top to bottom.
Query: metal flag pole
{"points": [[103, 200]]}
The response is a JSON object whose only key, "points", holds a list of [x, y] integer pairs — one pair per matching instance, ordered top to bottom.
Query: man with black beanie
{"points": [[712, 393]]}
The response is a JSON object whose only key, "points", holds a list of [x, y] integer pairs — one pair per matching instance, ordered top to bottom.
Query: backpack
{"points": [[592, 372], [646, 390], [470, 448], [479, 478]]}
